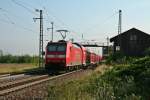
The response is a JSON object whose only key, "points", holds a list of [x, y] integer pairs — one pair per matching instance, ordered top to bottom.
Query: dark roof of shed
{"points": [[132, 29]]}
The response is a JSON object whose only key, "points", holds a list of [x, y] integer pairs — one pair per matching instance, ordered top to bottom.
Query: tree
{"points": [[1, 53]]}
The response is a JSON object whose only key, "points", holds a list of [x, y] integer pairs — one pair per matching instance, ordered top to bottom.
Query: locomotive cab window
{"points": [[56, 47], [51, 48], [61, 48]]}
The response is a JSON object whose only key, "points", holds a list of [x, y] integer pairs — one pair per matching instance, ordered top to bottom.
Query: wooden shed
{"points": [[132, 42]]}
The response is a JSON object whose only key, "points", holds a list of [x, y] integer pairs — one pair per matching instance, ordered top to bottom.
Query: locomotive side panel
{"points": [[65, 55], [74, 55], [84, 57]]}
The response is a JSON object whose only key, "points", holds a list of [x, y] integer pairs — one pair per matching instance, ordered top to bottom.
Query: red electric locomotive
{"points": [[64, 55]]}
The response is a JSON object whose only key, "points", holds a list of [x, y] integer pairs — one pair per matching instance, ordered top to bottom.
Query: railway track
{"points": [[4, 75], [11, 78], [29, 82]]}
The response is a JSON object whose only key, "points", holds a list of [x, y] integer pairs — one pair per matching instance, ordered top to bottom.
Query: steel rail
{"points": [[4, 75], [9, 76], [22, 81], [31, 83]]}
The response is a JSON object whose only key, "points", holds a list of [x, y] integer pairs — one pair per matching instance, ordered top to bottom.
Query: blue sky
{"points": [[95, 19]]}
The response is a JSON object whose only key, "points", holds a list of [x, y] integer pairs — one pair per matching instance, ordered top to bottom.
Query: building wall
{"points": [[133, 43]]}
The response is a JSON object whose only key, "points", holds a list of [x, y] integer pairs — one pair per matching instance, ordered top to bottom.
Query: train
{"points": [[66, 55]]}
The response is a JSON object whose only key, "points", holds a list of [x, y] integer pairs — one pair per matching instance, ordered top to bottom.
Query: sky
{"points": [[95, 19]]}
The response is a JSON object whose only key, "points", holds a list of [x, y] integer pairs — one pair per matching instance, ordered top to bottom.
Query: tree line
{"points": [[8, 58]]}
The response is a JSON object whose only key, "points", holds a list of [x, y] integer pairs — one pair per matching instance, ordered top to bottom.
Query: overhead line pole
{"points": [[120, 22], [52, 28], [119, 28], [40, 39], [107, 45]]}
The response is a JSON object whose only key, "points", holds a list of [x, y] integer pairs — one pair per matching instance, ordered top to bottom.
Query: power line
{"points": [[27, 4], [21, 5], [52, 14], [5, 15], [13, 15], [5, 21], [10, 21], [60, 21], [17, 25], [92, 28]]}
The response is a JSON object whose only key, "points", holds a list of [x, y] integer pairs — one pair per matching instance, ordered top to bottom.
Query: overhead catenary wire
{"points": [[25, 7], [12, 15], [6, 16], [5, 21], [10, 21], [61, 22], [101, 24], [17, 26], [89, 29], [77, 35]]}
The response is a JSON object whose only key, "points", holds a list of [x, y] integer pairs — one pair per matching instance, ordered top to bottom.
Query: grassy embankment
{"points": [[17, 63], [16, 68], [126, 81]]}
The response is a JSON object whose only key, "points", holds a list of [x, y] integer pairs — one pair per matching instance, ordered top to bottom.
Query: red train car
{"points": [[63, 55]]}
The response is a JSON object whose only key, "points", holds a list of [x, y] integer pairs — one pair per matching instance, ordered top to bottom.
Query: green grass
{"points": [[16, 68], [124, 82]]}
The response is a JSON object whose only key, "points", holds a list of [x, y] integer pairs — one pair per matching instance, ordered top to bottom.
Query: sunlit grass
{"points": [[15, 68], [122, 82], [75, 89]]}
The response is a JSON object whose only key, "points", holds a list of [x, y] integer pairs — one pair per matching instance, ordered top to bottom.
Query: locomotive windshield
{"points": [[56, 47]]}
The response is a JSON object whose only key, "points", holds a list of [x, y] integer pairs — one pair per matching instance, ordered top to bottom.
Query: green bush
{"points": [[147, 52], [8, 58], [119, 58], [130, 82]]}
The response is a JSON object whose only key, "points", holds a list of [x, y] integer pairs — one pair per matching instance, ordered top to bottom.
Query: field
{"points": [[15, 68], [127, 81], [75, 89]]}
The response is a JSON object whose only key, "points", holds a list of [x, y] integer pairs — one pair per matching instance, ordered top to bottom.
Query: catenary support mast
{"points": [[119, 29], [41, 59]]}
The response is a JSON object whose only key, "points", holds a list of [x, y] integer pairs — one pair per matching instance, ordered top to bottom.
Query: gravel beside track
{"points": [[4, 75], [12, 78], [21, 82], [39, 91]]}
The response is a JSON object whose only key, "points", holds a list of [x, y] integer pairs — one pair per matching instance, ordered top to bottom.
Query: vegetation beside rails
{"points": [[8, 58], [17, 63], [17, 68], [123, 82]]}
